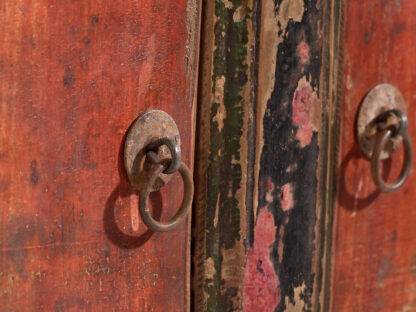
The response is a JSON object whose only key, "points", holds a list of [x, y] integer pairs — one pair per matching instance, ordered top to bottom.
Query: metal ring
{"points": [[401, 129], [382, 139], [175, 151], [182, 213]]}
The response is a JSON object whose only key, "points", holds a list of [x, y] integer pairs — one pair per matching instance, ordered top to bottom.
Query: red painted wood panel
{"points": [[73, 76], [374, 255]]}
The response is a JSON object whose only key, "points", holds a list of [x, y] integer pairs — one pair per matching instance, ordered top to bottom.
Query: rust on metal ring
{"points": [[399, 129], [382, 139], [175, 152], [145, 191]]}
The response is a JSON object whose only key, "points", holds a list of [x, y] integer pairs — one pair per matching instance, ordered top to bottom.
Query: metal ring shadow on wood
{"points": [[382, 139], [145, 191]]}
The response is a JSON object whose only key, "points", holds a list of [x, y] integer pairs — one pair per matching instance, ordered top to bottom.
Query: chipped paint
{"points": [[228, 4], [290, 10], [239, 14], [274, 21], [269, 42], [303, 53], [219, 98], [281, 104], [302, 105], [287, 141], [269, 188], [287, 199], [67, 200], [220, 208], [233, 261], [209, 269], [261, 284], [297, 304]]}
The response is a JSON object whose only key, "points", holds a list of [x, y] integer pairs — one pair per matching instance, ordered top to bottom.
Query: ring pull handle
{"points": [[382, 126], [383, 137], [175, 152], [152, 155], [158, 167]]}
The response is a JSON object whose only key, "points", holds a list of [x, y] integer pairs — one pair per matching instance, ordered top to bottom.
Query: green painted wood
{"points": [[261, 168]]}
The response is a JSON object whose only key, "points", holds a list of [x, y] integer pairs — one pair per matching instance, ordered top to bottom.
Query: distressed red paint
{"points": [[74, 76], [302, 102], [286, 196], [374, 237], [261, 284]]}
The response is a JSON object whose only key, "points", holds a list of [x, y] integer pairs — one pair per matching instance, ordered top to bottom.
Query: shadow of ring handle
{"points": [[381, 140], [145, 191]]}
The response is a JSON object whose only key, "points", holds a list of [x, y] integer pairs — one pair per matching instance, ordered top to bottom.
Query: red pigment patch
{"points": [[303, 53], [302, 102], [266, 189], [269, 190], [287, 196], [261, 284]]}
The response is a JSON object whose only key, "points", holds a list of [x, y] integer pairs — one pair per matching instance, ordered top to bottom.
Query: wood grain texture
{"points": [[73, 77], [262, 112], [289, 158], [222, 161], [375, 235]]}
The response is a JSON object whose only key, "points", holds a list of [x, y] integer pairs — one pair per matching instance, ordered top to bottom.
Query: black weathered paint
{"points": [[281, 150]]}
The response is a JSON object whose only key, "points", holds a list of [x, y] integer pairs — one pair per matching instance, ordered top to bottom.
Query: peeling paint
{"points": [[228, 4], [290, 10], [239, 14], [274, 21], [269, 41], [303, 53], [219, 100], [303, 100], [284, 108], [288, 139], [269, 189], [287, 200], [225, 218], [233, 261], [209, 268], [261, 284], [297, 304]]}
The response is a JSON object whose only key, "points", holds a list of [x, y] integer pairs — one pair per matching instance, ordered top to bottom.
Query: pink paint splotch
{"points": [[303, 52], [301, 115], [269, 190], [286, 197], [261, 284]]}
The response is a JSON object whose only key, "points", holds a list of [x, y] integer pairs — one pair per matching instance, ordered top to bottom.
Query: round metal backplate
{"points": [[379, 99], [147, 128]]}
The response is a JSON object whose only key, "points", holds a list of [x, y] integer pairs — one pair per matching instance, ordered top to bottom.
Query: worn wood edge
{"points": [[336, 23], [192, 52], [211, 113], [201, 157], [324, 171]]}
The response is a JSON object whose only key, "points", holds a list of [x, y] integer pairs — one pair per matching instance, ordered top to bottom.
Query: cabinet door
{"points": [[74, 75], [374, 255]]}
